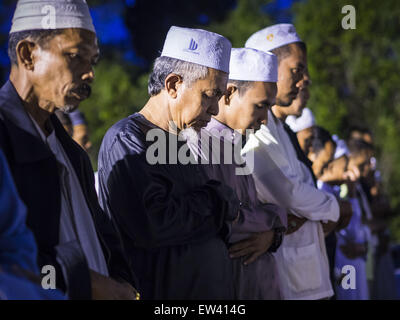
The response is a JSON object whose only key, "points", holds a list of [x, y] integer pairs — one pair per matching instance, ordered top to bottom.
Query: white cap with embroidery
{"points": [[51, 14], [273, 37], [198, 46], [252, 65], [305, 121], [341, 147]]}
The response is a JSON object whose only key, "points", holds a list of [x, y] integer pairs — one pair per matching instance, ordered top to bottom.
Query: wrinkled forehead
{"points": [[74, 37], [296, 54], [217, 77], [215, 80]]}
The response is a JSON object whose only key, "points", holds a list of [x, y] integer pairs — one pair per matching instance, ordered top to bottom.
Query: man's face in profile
{"points": [[63, 68]]}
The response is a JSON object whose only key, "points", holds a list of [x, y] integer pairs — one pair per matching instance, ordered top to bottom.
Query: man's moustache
{"points": [[83, 90]]}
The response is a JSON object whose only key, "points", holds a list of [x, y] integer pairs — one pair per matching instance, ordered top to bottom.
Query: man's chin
{"points": [[297, 113]]}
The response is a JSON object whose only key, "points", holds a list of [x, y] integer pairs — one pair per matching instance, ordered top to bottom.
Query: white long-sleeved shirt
{"points": [[282, 179]]}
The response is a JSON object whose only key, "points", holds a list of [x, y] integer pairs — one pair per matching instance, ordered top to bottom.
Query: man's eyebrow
{"points": [[79, 46], [83, 48]]}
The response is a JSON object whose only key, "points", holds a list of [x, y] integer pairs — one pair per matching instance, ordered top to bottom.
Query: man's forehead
{"points": [[76, 38], [296, 53], [217, 74], [216, 79], [263, 89]]}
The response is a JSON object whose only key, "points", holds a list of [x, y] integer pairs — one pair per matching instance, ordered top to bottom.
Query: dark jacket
{"points": [[35, 172], [172, 217]]}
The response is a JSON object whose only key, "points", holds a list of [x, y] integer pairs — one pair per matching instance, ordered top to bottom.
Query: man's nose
{"points": [[89, 75], [306, 80], [263, 118]]}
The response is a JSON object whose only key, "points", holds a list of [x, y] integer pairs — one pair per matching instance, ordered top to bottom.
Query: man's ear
{"points": [[25, 55], [172, 83], [231, 90]]}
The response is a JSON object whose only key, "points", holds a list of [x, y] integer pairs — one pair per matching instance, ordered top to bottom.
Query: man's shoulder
{"points": [[7, 94], [3, 131], [125, 132]]}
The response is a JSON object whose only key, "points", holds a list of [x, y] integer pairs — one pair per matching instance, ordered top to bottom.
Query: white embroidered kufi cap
{"points": [[51, 14], [273, 37], [198, 46], [252, 65], [306, 120], [341, 147]]}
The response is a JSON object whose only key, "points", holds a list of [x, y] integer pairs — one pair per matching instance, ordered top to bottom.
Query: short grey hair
{"points": [[41, 37], [163, 66]]}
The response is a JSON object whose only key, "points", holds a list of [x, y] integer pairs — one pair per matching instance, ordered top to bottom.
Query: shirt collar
{"points": [[225, 132]]}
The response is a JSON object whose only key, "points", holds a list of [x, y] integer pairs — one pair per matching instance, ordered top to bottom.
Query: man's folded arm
{"points": [[288, 190], [146, 203], [258, 218]]}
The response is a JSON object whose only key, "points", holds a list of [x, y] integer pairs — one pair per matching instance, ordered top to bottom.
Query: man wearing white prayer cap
{"points": [[282, 40], [52, 49], [304, 121], [302, 125], [282, 175], [172, 215], [258, 231]]}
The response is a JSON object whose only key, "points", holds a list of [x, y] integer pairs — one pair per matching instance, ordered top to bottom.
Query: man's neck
{"points": [[40, 112], [158, 112], [278, 112], [221, 117]]}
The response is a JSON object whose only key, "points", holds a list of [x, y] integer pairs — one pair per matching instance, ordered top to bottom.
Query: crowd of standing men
{"points": [[221, 187]]}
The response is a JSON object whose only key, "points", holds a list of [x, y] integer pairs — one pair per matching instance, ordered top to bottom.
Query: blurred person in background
{"points": [[302, 125], [77, 127], [353, 241], [380, 267]]}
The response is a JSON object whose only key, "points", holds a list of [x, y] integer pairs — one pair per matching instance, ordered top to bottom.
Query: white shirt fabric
{"points": [[282, 179], [76, 222]]}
